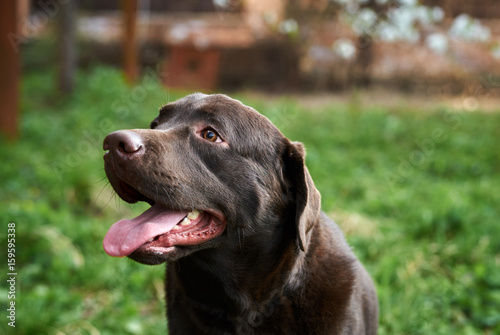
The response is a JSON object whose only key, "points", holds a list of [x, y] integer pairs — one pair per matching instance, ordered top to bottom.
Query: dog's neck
{"points": [[212, 282]]}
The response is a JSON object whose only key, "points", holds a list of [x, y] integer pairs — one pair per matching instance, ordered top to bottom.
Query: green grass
{"points": [[416, 193]]}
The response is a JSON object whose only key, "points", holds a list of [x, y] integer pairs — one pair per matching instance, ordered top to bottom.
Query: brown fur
{"points": [[282, 266]]}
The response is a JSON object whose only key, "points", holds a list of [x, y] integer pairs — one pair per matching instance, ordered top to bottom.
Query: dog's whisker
{"points": [[167, 95], [100, 180], [102, 189], [168, 195], [110, 198], [191, 200], [118, 203], [240, 237]]}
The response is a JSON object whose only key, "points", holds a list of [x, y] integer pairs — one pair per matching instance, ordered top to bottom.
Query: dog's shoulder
{"points": [[329, 243], [329, 261], [348, 281], [335, 283]]}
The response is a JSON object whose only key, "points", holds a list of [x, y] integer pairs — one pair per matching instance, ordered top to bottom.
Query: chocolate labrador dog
{"points": [[236, 216]]}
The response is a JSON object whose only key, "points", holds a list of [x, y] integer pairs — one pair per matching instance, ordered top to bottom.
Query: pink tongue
{"points": [[127, 235]]}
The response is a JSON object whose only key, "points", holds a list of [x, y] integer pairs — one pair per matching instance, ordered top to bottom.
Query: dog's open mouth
{"points": [[159, 230]]}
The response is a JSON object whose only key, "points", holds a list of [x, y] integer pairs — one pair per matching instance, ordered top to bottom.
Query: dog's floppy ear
{"points": [[306, 197]]}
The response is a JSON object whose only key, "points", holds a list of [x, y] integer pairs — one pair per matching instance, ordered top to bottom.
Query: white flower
{"points": [[342, 2], [408, 2], [221, 3], [437, 14], [364, 21], [400, 25], [288, 26], [468, 29], [387, 32], [437, 42], [344, 48]]}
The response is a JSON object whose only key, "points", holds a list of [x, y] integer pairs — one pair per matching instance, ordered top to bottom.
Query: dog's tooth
{"points": [[194, 214], [185, 222], [176, 227], [151, 239]]}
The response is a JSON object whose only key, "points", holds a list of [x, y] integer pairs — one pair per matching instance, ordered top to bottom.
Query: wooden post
{"points": [[67, 46], [130, 61], [10, 70]]}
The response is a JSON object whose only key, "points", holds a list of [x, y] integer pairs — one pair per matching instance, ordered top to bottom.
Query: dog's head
{"points": [[216, 174]]}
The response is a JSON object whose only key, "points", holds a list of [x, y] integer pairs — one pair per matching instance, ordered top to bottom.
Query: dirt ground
{"points": [[483, 100]]}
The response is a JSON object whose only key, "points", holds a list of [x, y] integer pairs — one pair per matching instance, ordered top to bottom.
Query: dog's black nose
{"points": [[125, 143]]}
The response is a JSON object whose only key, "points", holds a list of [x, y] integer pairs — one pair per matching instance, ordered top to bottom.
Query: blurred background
{"points": [[396, 101]]}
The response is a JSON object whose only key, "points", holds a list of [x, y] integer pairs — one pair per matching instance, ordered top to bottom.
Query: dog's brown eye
{"points": [[210, 135]]}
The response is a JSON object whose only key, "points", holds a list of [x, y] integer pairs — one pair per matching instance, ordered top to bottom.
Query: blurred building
{"points": [[306, 44], [200, 45]]}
